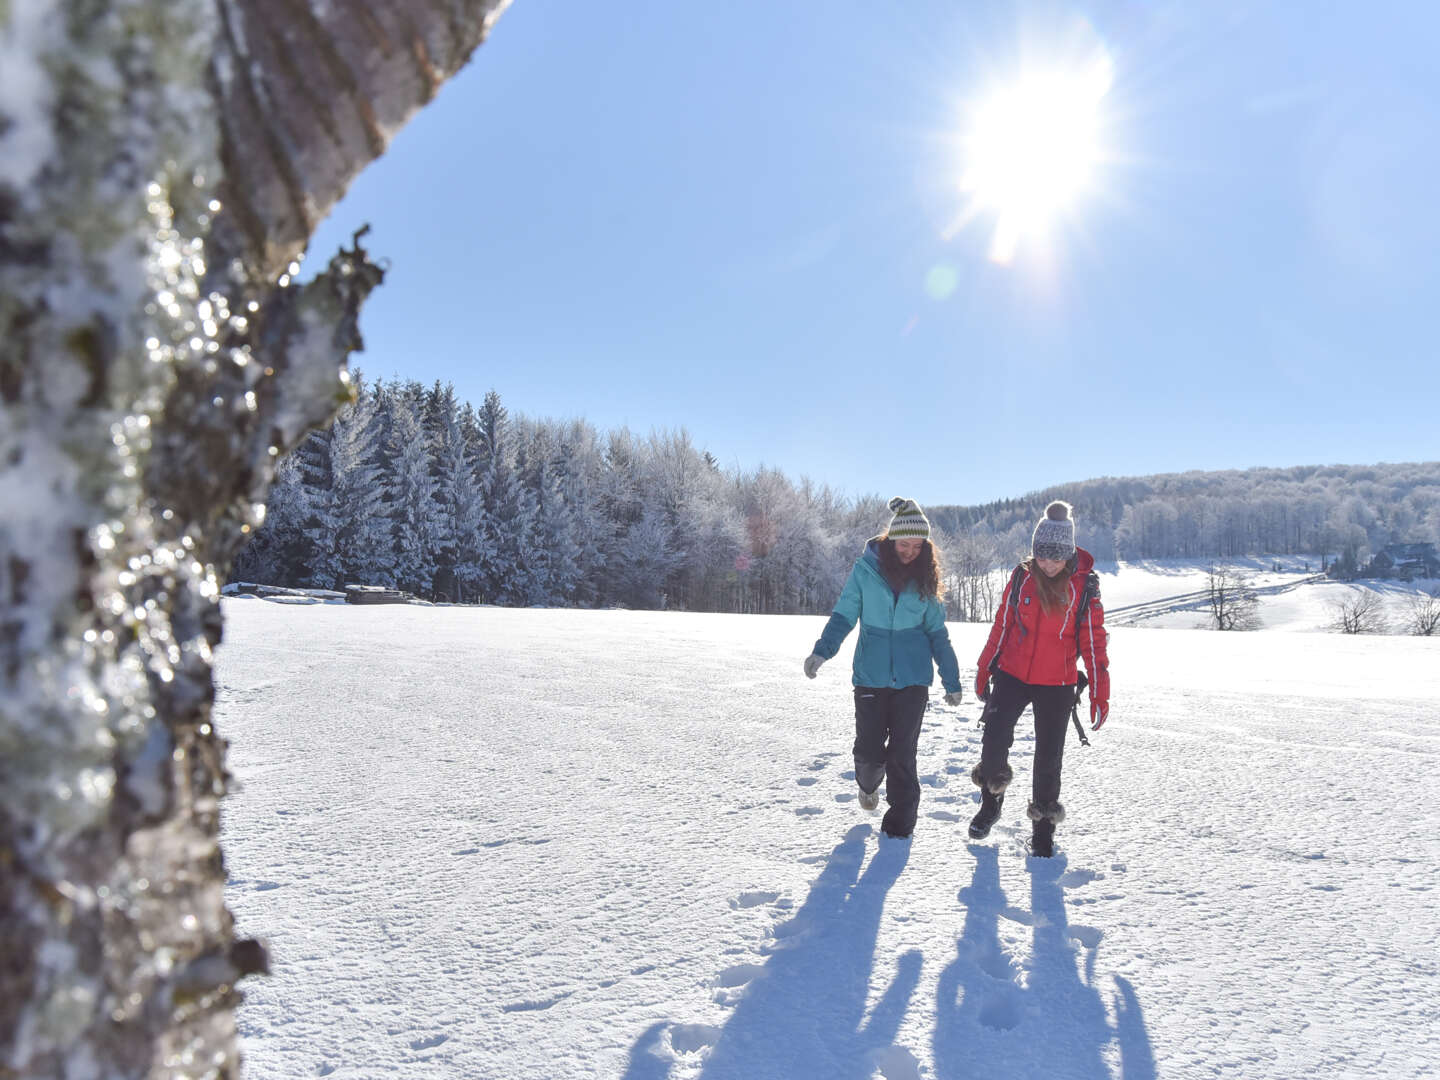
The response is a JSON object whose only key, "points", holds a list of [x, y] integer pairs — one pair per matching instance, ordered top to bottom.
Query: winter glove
{"points": [[812, 664], [982, 685], [956, 698], [1099, 711]]}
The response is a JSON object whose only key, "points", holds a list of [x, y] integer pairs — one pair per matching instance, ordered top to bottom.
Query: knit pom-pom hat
{"points": [[909, 522], [1054, 534]]}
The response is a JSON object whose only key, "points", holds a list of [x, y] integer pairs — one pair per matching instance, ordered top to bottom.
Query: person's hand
{"points": [[812, 664], [982, 685], [956, 698], [1099, 712]]}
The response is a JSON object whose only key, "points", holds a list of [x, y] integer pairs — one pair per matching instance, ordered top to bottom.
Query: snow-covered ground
{"points": [[544, 844]]}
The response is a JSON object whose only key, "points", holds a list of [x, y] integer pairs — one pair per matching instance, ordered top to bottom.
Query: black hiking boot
{"points": [[989, 813], [1042, 839]]}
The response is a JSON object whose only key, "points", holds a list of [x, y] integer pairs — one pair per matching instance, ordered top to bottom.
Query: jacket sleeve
{"points": [[842, 619], [997, 629], [1093, 640], [940, 647]]}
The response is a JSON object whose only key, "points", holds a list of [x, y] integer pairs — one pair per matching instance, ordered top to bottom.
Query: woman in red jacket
{"points": [[1031, 657]]}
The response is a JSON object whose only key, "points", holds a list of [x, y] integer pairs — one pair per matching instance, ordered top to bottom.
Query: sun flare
{"points": [[1031, 151]]}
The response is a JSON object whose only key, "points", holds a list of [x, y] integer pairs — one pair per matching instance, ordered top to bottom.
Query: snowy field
{"points": [[490, 843]]}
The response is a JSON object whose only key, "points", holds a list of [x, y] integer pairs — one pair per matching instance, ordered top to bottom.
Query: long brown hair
{"points": [[924, 570], [1054, 592]]}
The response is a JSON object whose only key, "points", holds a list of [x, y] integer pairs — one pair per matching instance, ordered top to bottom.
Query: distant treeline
{"points": [[413, 489], [416, 490], [1325, 511]]}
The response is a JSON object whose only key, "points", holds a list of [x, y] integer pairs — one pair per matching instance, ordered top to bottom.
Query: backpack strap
{"points": [[1012, 593], [1087, 594]]}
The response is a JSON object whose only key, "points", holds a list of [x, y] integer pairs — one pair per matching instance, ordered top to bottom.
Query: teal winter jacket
{"points": [[901, 637]]}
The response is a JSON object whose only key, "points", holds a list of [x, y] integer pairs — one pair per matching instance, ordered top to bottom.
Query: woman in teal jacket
{"points": [[893, 592]]}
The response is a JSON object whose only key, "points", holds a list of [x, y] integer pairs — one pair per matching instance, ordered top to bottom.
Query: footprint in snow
{"points": [[807, 781], [809, 811], [942, 815], [754, 898], [1019, 915], [993, 961], [738, 975], [535, 1005], [1001, 1012], [693, 1038], [429, 1042], [894, 1063]]}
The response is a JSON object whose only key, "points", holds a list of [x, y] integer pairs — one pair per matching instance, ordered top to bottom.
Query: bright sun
{"points": [[1031, 151]]}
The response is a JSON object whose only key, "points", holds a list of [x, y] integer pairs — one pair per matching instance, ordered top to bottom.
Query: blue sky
{"points": [[742, 219]]}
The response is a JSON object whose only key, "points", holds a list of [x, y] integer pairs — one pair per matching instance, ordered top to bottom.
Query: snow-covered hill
{"points": [[1169, 593], [531, 844]]}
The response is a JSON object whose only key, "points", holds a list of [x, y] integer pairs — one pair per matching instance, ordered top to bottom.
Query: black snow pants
{"points": [[1008, 698], [887, 732]]}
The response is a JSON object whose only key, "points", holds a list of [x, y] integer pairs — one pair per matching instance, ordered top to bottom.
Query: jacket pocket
{"points": [[872, 656], [912, 663]]}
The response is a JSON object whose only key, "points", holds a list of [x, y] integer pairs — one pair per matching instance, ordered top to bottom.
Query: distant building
{"points": [[1407, 561]]}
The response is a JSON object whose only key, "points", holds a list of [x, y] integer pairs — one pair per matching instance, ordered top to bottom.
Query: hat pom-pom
{"points": [[896, 503], [1057, 510]]}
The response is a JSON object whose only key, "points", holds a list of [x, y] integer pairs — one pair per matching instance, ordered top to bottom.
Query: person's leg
{"points": [[1008, 698], [871, 715], [1052, 718], [992, 774], [902, 778]]}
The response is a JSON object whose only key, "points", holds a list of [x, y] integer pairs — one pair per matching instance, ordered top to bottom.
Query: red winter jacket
{"points": [[1038, 648]]}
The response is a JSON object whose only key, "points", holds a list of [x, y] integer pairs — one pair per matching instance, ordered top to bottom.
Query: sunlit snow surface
{"points": [[491, 843]]}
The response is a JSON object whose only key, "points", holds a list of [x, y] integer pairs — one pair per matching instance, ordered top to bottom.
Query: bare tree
{"points": [[162, 166], [972, 579], [1233, 603], [1362, 611], [1422, 616]]}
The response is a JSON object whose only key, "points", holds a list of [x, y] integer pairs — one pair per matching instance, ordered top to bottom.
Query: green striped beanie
{"points": [[909, 521]]}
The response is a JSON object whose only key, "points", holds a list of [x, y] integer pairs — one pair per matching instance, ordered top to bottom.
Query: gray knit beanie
{"points": [[909, 522], [1054, 534]]}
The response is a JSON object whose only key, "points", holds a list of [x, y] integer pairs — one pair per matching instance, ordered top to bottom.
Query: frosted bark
{"points": [[164, 163]]}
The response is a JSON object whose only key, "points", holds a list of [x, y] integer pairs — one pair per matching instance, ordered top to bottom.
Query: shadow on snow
{"points": [[804, 1015], [1052, 1022]]}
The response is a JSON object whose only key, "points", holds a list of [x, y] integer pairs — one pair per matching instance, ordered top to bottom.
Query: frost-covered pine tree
{"points": [[162, 166], [583, 467], [453, 473], [411, 495], [505, 524], [349, 532], [548, 548], [278, 553], [558, 576]]}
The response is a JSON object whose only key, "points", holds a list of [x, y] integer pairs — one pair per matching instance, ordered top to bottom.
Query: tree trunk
{"points": [[162, 166]]}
